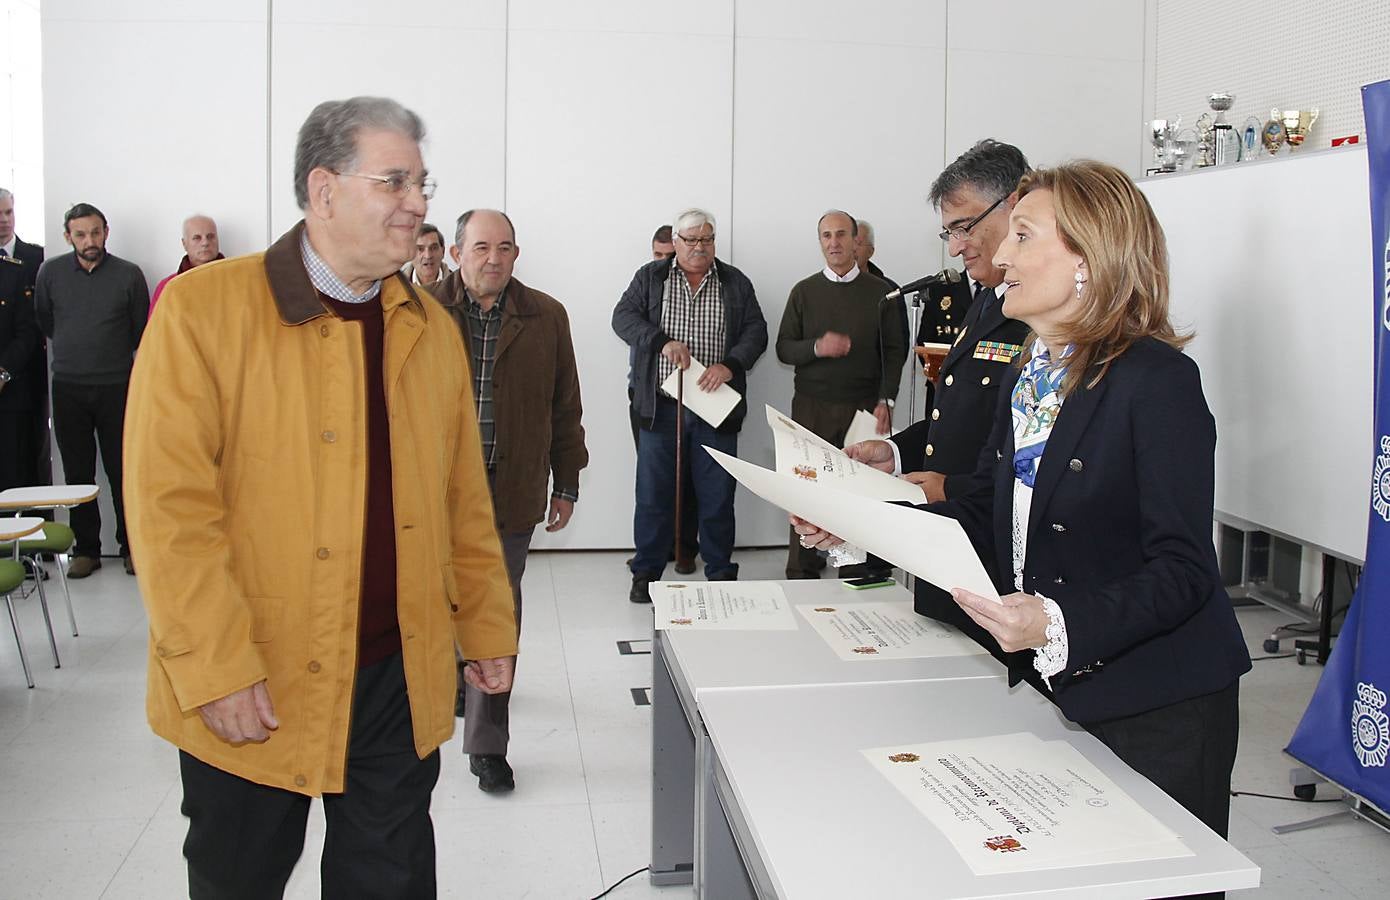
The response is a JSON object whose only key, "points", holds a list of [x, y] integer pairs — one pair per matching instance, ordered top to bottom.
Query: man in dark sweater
{"points": [[93, 307], [847, 347]]}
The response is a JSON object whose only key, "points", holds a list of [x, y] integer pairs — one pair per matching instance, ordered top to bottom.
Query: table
{"points": [[47, 496], [20, 526], [689, 665], [809, 818]]}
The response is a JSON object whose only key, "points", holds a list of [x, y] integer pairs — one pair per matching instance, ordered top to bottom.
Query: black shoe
{"points": [[129, 564], [731, 575], [802, 576], [641, 591], [494, 775]]}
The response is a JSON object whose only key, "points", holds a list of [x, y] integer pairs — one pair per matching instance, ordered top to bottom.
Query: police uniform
{"points": [[24, 398], [963, 409]]}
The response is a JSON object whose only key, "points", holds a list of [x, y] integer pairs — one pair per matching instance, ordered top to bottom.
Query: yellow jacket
{"points": [[245, 496]]}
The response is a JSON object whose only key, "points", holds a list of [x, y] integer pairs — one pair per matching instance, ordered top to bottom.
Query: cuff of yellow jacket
{"points": [[197, 682]]}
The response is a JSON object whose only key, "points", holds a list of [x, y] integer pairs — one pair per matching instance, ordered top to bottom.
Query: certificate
{"points": [[712, 406], [863, 427], [800, 452], [927, 545], [721, 606], [885, 630], [1016, 803]]}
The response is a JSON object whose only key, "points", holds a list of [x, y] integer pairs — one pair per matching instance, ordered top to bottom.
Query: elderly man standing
{"points": [[200, 245], [427, 269], [92, 305], [692, 307], [848, 350], [526, 387], [312, 520]]}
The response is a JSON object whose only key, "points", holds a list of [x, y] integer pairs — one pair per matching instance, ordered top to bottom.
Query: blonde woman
{"points": [[1093, 504]]}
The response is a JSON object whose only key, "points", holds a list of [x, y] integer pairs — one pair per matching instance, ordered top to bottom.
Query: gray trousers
{"points": [[485, 721]]}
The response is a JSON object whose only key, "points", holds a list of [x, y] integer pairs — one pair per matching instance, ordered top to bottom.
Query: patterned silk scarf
{"points": [[1036, 401]]}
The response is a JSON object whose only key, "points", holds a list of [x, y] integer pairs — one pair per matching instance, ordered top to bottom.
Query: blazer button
{"points": [[323, 330], [949, 379], [984, 381], [935, 414], [329, 437], [930, 449], [998, 455], [1075, 465], [1058, 527], [322, 553], [1059, 580], [314, 666], [300, 781]]}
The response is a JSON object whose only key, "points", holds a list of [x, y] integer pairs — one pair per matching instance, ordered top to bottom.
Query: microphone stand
{"points": [[916, 320]]}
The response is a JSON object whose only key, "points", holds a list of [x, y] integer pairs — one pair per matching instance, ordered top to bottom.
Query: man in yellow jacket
{"points": [[314, 531]]}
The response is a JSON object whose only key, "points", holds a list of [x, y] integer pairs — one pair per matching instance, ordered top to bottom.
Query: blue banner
{"points": [[1345, 732]]}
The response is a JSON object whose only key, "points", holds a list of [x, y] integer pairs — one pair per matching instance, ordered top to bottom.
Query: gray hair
{"points": [[328, 138], [991, 167], [5, 194], [199, 216], [693, 218], [853, 222], [463, 223], [866, 230]]}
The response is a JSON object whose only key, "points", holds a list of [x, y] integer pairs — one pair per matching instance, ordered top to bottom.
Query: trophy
{"points": [[1296, 124], [1162, 135], [1250, 140], [1206, 141], [1225, 144]]}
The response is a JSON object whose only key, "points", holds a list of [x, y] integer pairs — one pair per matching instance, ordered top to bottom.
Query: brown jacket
{"points": [[535, 398], [245, 477]]}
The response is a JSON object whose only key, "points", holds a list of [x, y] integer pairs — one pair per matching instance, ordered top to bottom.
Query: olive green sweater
{"points": [[872, 368]]}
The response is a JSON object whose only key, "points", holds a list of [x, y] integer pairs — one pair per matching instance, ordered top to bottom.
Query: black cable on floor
{"points": [[1276, 656], [1277, 797], [620, 881]]}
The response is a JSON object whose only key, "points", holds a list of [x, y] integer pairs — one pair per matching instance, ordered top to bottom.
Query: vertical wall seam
{"points": [[269, 71], [506, 91], [945, 106], [733, 111]]}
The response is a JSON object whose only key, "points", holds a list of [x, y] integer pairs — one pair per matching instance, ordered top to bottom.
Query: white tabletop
{"points": [[47, 496], [19, 527], [708, 660], [828, 825]]}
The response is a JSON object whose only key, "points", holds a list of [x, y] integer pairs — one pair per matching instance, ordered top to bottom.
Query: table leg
{"points": [[673, 776], [719, 868]]}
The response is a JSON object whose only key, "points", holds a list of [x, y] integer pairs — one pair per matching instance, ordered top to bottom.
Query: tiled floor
{"points": [[91, 798]]}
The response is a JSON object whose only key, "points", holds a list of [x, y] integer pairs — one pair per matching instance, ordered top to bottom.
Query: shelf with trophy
{"points": [[1213, 141]]}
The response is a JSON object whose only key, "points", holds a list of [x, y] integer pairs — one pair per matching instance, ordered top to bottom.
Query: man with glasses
{"points": [[974, 195], [693, 307], [312, 520]]}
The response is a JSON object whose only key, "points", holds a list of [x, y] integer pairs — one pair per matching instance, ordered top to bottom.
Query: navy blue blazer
{"points": [[1120, 536]]}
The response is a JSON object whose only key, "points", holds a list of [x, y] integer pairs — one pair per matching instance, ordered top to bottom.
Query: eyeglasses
{"points": [[399, 182], [961, 232], [697, 241]]}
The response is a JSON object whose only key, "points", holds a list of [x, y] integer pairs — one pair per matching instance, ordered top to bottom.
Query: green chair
{"points": [[57, 539], [11, 578]]}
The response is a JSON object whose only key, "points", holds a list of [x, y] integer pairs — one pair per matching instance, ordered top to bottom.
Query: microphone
{"points": [[945, 276]]}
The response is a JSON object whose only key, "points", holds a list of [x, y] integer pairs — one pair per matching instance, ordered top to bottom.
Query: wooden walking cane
{"points": [[680, 451]]}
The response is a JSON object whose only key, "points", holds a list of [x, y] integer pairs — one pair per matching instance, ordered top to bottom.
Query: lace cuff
{"points": [[846, 555], [1051, 658]]}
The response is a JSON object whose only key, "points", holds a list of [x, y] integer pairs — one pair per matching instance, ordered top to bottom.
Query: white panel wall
{"points": [[444, 60], [1059, 80], [832, 108], [21, 115], [617, 118], [591, 124]]}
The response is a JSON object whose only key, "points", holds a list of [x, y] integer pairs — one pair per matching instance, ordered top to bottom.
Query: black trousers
{"points": [[83, 415], [1187, 748], [244, 838]]}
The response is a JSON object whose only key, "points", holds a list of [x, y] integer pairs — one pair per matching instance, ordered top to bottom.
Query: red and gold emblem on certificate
{"points": [[808, 473], [825, 609], [680, 621], [866, 651], [904, 758], [1004, 844]]}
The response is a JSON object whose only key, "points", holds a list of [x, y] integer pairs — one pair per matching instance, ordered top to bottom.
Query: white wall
{"points": [[21, 115], [591, 123]]}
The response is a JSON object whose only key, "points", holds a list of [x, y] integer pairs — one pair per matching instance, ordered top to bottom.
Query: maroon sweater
{"points": [[378, 632]]}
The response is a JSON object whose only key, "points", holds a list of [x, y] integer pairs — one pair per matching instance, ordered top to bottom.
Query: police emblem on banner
{"points": [[1380, 481], [1370, 726]]}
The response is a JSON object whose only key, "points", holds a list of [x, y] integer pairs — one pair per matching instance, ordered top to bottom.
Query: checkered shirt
{"points": [[695, 319]]}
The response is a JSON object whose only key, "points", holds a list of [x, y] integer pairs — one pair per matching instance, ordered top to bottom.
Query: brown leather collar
{"points": [[295, 295]]}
